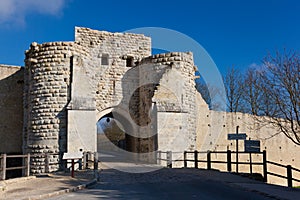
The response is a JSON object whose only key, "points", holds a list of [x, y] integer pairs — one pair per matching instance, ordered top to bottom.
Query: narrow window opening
{"points": [[104, 59], [129, 62], [114, 87]]}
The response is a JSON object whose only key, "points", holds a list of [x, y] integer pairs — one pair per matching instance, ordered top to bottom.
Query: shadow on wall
{"points": [[138, 93], [11, 109], [11, 116]]}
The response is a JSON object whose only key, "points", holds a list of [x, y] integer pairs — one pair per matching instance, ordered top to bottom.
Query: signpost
{"points": [[236, 136], [252, 146], [72, 156]]}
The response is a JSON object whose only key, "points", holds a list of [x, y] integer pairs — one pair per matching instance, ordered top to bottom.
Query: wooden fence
{"points": [[167, 156], [195, 160], [88, 161], [25, 166]]}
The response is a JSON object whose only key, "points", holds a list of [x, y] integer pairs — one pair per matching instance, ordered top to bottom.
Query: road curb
{"points": [[60, 192]]}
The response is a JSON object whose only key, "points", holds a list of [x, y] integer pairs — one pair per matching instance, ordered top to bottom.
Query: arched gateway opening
{"points": [[110, 128], [113, 131], [117, 133]]}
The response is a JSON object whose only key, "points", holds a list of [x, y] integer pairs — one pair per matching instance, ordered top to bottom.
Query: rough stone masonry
{"points": [[69, 86]]}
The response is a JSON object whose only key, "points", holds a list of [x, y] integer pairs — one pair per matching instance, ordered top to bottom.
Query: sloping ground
{"points": [[156, 175], [158, 183], [179, 184], [26, 188]]}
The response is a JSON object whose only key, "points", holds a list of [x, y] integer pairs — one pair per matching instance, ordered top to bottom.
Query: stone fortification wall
{"points": [[11, 106], [212, 131]]}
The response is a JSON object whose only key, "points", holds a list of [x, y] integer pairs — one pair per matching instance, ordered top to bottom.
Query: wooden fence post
{"points": [[158, 157], [88, 159], [169, 159], [184, 159], [196, 159], [250, 159], [84, 160], [95, 160], [208, 160], [228, 160], [80, 163], [3, 164], [96, 165], [72, 168], [27, 170], [265, 170], [289, 175]]}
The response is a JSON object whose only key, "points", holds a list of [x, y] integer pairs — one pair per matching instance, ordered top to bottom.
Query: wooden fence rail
{"points": [[88, 161], [3, 165], [289, 169]]}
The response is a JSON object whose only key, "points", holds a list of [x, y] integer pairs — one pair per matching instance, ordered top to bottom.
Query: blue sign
{"points": [[234, 136], [252, 146]]}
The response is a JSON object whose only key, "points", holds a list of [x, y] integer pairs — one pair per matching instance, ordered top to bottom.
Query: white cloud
{"points": [[15, 11], [254, 66], [258, 67]]}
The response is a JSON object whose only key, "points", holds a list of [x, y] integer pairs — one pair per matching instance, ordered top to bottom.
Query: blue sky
{"points": [[234, 32]]}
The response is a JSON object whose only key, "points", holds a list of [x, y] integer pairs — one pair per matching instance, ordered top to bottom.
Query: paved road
{"points": [[166, 184]]}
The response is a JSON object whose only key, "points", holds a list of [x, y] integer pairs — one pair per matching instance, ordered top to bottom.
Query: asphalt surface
{"points": [[121, 179], [166, 184], [43, 186]]}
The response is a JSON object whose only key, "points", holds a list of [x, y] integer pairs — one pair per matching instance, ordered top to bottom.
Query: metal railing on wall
{"points": [[209, 161]]}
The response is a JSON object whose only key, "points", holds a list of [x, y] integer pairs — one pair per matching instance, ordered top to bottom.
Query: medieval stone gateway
{"points": [[69, 84], [55, 101]]}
